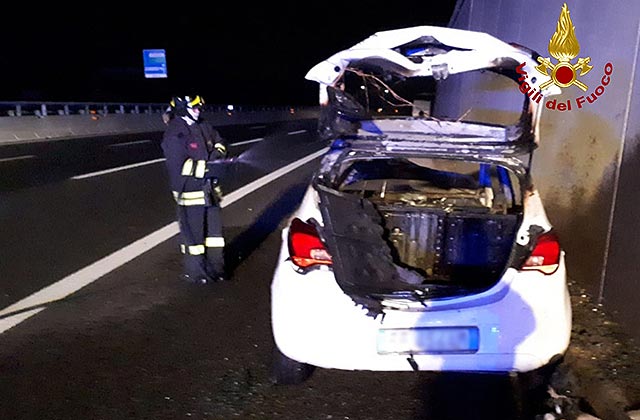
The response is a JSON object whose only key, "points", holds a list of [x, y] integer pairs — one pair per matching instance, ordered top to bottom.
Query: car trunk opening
{"points": [[434, 131], [425, 228]]}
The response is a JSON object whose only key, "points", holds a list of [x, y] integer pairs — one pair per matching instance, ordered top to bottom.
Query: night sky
{"points": [[228, 52]]}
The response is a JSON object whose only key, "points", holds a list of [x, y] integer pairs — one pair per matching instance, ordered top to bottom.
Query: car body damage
{"points": [[435, 52], [422, 232], [384, 237]]}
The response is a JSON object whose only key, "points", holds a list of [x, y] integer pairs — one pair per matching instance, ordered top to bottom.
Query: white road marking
{"points": [[257, 127], [291, 133], [246, 142], [129, 143], [17, 158], [135, 165], [119, 168], [260, 182], [81, 278], [16, 313], [13, 320]]}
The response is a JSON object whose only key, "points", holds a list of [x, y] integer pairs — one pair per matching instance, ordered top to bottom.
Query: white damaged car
{"points": [[422, 243]]}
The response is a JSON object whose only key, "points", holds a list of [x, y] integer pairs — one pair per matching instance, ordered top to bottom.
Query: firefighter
{"points": [[190, 144]]}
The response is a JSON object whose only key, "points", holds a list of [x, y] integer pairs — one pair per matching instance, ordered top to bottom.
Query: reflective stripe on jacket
{"points": [[197, 170]]}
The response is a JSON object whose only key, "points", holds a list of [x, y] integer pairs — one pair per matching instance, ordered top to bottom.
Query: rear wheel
{"points": [[286, 371]]}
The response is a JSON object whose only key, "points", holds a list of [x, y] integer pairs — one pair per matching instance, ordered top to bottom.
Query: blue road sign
{"points": [[155, 64]]}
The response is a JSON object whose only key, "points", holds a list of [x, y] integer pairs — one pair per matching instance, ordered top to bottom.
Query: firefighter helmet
{"points": [[183, 102], [184, 105]]}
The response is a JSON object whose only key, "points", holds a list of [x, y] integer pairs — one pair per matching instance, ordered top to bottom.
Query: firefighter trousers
{"points": [[202, 243]]}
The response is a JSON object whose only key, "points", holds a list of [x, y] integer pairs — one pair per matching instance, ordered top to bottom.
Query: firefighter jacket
{"points": [[187, 148]]}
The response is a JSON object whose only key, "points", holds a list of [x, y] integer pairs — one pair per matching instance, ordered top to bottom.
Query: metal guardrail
{"points": [[44, 109], [25, 122]]}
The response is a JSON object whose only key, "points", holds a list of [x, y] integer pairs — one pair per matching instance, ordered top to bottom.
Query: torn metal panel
{"points": [[428, 52], [446, 137], [536, 216]]}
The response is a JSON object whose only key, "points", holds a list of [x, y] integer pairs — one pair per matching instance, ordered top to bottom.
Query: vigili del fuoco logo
{"points": [[564, 47]]}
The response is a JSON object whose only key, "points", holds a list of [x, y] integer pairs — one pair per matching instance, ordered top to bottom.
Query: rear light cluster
{"points": [[305, 246], [307, 250], [545, 256]]}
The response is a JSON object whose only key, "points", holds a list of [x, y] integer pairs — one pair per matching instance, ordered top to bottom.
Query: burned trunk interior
{"points": [[396, 225], [454, 247]]}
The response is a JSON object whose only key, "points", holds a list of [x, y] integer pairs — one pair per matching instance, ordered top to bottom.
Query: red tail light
{"points": [[305, 247], [546, 254]]}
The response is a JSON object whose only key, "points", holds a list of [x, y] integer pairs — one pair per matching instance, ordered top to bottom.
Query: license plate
{"points": [[428, 340]]}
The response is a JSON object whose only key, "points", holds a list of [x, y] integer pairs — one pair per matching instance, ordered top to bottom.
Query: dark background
{"points": [[230, 52]]}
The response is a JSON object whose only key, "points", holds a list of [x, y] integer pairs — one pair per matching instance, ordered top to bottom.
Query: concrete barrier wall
{"points": [[32, 128], [588, 161]]}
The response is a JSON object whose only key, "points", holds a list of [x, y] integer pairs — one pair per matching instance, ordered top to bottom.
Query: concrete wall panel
{"points": [[578, 166], [621, 282]]}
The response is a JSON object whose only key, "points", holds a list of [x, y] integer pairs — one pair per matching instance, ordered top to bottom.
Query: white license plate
{"points": [[428, 340]]}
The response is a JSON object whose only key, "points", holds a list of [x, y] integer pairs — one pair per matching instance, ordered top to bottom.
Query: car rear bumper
{"points": [[314, 322]]}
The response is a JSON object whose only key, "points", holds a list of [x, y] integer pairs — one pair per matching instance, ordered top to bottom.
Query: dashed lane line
{"points": [[9, 159], [119, 168]]}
